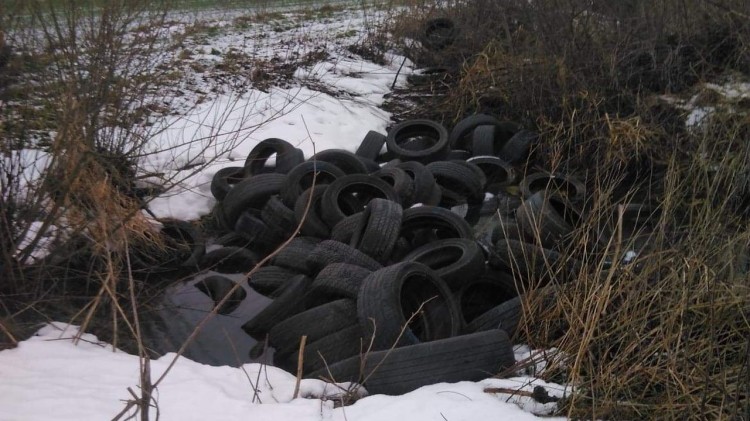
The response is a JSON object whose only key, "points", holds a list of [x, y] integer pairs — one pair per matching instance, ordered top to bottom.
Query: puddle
{"points": [[221, 341]]}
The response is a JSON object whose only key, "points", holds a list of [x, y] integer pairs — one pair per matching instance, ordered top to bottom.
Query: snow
{"points": [[732, 90], [726, 97], [330, 104], [697, 115], [226, 132], [48, 376]]}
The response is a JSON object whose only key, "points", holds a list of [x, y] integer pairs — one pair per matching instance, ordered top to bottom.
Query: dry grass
{"points": [[666, 335]]}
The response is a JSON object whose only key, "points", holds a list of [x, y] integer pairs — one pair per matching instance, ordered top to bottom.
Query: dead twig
{"points": [[300, 362]]}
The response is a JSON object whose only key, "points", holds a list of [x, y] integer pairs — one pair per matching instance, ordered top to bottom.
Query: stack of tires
{"points": [[387, 276]]}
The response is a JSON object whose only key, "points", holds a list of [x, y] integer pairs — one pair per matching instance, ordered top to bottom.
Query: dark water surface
{"points": [[221, 341]]}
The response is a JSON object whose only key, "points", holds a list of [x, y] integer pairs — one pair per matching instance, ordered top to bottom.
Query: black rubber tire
{"points": [[439, 33], [460, 137], [402, 141], [484, 142], [371, 145], [518, 148], [458, 154], [287, 157], [388, 158], [345, 160], [371, 165], [499, 174], [480, 175], [300, 178], [458, 178], [224, 179], [401, 182], [424, 183], [564, 185], [250, 193], [436, 196], [339, 200], [457, 203], [507, 203], [489, 207], [468, 209], [278, 217], [219, 218], [548, 218], [637, 220], [428, 223], [312, 224], [506, 228], [344, 229], [378, 229], [259, 236], [187, 239], [232, 239], [401, 249], [329, 251], [295, 254], [229, 260], [455, 260], [530, 264], [269, 280], [337, 280], [217, 287], [481, 293], [389, 297], [289, 302], [506, 316], [510, 316], [315, 323], [325, 351], [471, 357]]}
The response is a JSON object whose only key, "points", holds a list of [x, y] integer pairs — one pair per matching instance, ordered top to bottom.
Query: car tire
{"points": [[391, 296]]}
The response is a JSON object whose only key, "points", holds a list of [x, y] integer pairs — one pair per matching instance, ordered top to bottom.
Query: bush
{"points": [[83, 75]]}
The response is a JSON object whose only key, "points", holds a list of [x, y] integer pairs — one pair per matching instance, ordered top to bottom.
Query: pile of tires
{"points": [[388, 276]]}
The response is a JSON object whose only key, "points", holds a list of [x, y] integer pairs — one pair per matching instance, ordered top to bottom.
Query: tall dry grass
{"points": [[666, 335]]}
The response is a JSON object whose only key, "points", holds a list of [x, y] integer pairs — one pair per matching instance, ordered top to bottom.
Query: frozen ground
{"points": [[48, 377]]}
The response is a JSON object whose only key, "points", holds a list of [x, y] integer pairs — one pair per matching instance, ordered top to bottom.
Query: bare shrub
{"points": [[79, 115]]}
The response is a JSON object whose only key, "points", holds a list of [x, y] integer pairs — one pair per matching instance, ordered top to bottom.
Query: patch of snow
{"points": [[732, 90], [729, 93], [697, 115], [534, 361], [49, 374]]}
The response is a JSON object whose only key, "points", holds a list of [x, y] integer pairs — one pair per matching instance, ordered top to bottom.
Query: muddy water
{"points": [[221, 341]]}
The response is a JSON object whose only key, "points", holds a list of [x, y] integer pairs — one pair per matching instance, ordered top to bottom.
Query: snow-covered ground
{"points": [[327, 102], [48, 377]]}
